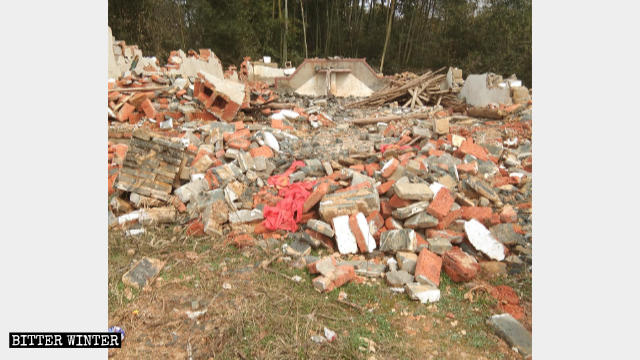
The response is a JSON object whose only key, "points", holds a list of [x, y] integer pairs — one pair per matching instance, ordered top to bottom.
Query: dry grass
{"points": [[266, 316]]}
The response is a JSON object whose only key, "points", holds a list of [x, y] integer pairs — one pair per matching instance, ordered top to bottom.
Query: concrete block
{"points": [[398, 240], [512, 332]]}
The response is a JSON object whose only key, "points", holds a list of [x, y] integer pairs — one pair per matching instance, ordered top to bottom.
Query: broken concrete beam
{"points": [[220, 96], [409, 191], [365, 200], [398, 240]]}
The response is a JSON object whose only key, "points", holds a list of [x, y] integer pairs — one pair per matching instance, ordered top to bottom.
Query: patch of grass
{"points": [[265, 315]]}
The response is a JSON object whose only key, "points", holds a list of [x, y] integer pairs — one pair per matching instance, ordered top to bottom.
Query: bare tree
{"points": [[386, 40]]}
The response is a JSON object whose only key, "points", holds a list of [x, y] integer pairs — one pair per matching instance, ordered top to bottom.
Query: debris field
{"points": [[429, 174]]}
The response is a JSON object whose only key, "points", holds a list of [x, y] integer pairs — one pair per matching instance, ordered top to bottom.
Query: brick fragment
{"points": [[390, 167], [315, 197], [441, 204], [508, 214], [459, 265], [428, 268]]}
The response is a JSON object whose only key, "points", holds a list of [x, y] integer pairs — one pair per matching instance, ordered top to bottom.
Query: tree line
{"points": [[395, 35]]}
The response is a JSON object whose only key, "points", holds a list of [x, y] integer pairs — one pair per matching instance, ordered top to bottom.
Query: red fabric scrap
{"points": [[288, 212]]}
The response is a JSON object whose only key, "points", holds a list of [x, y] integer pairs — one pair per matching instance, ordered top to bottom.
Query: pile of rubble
{"points": [[377, 189]]}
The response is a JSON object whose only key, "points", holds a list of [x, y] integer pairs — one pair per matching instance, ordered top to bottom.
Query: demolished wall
{"points": [[188, 66], [338, 77], [484, 89]]}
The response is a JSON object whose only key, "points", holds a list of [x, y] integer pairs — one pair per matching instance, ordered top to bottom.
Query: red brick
{"points": [[148, 109], [125, 112], [277, 124], [239, 125], [389, 130], [243, 133], [404, 140], [238, 143], [469, 148], [120, 150], [261, 151], [434, 152], [404, 158], [371, 168], [391, 168], [468, 168], [111, 183], [362, 185], [384, 187], [315, 197], [395, 202], [441, 204], [385, 208], [479, 213], [508, 214], [308, 216], [376, 218], [389, 224], [195, 228], [259, 228], [355, 229], [445, 234], [318, 236], [376, 236], [243, 240], [420, 241], [459, 265], [312, 267], [428, 267], [343, 274], [514, 310]]}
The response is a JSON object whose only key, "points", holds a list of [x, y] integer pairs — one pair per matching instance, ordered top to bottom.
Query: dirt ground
{"points": [[241, 311]]}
